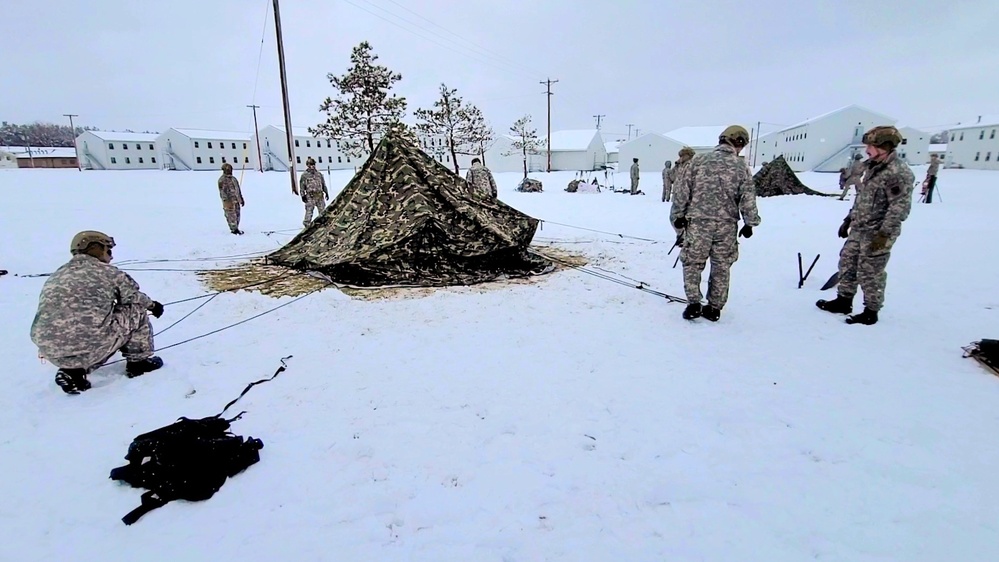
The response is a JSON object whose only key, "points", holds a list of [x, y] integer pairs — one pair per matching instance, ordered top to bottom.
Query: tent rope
{"points": [[641, 285]]}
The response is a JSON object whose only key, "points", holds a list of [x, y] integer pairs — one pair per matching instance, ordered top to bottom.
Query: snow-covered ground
{"points": [[568, 419]]}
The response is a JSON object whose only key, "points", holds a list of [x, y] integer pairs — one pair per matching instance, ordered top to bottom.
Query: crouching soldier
{"points": [[88, 311]]}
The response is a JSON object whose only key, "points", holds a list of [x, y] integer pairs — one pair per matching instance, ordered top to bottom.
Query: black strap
{"points": [[251, 385], [150, 501]]}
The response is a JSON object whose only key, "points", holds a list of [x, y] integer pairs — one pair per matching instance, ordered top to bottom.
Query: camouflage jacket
{"points": [[933, 169], [676, 170], [856, 170], [634, 171], [667, 176], [481, 179], [313, 183], [717, 186], [229, 189], [885, 197], [76, 306]]}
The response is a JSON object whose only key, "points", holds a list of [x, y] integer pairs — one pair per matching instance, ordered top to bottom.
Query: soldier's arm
{"points": [[322, 179], [492, 185], [899, 193], [681, 195], [747, 201], [128, 290]]}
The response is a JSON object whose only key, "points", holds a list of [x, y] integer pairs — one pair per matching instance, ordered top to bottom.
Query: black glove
{"points": [[305, 198], [680, 223], [844, 229], [747, 231], [679, 241], [156, 308]]}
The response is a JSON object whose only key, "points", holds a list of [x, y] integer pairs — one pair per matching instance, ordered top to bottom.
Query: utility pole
{"points": [[548, 83], [284, 97], [599, 117], [630, 125], [72, 129], [638, 133], [256, 135], [756, 145]]}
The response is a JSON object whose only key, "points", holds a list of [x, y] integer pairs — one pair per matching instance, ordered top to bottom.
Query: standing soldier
{"points": [[634, 176], [854, 176], [931, 178], [481, 179], [667, 182], [312, 185], [715, 189], [232, 198], [871, 228], [88, 311]]}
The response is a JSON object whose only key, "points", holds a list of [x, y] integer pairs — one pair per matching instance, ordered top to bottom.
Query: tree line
{"points": [[39, 134]]}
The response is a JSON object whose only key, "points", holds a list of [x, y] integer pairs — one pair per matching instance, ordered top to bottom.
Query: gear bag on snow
{"points": [[985, 352], [189, 459]]}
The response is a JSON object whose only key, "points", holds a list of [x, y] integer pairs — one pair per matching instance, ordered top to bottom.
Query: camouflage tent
{"points": [[777, 178], [405, 219]]}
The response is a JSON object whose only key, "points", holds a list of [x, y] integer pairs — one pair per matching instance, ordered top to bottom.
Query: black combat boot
{"points": [[839, 305], [692, 311], [711, 313], [868, 317], [136, 368], [72, 381]]}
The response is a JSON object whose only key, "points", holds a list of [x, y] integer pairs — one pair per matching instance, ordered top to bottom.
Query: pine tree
{"points": [[363, 108], [461, 125], [525, 139]]}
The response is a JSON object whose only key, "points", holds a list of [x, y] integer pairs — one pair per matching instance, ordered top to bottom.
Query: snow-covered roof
{"points": [[828, 113], [976, 122], [296, 131], [214, 135], [696, 136], [124, 137], [569, 140], [612, 147], [938, 147], [42, 151]]}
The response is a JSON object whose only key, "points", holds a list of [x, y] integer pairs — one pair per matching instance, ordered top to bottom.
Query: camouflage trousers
{"points": [[634, 187], [667, 190], [312, 202], [231, 209], [704, 239], [859, 265], [129, 332]]}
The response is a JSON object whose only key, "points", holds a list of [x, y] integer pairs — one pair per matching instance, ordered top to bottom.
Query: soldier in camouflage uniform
{"points": [[854, 176], [635, 177], [931, 178], [480, 179], [667, 182], [312, 187], [232, 198], [707, 202], [873, 225], [89, 310]]}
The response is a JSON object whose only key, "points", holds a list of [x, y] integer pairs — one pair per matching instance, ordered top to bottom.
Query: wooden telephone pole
{"points": [[549, 83]]}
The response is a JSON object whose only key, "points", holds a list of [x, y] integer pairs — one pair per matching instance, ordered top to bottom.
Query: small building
{"points": [[702, 139], [824, 143], [974, 144], [915, 147], [198, 149], [613, 149], [110, 150], [574, 150], [652, 151], [941, 151], [44, 157], [503, 157], [8, 160]]}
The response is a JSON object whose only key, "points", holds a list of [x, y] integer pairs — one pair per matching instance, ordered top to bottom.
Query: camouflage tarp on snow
{"points": [[777, 178], [530, 186], [405, 219]]}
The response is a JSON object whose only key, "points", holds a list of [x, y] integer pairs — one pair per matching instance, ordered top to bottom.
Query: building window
{"points": [[962, 135], [981, 135], [993, 135], [952, 138], [905, 140], [296, 142], [195, 144], [209, 144], [308, 144], [234, 145], [110, 146], [124, 146], [139, 146], [329, 146], [150, 147], [977, 155], [988, 156], [153, 159], [199, 159], [211, 159], [223, 159], [246, 159], [298, 159], [320, 159], [348, 159], [114, 160], [128, 160], [140, 160], [339, 160]]}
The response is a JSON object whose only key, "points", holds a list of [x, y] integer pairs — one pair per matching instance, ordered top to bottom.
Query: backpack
{"points": [[189, 459]]}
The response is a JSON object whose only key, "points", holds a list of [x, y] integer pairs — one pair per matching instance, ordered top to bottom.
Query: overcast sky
{"points": [[657, 64]]}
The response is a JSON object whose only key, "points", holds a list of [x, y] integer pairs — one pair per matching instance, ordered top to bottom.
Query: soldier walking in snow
{"points": [[634, 176], [854, 176], [931, 178], [481, 179], [667, 182], [312, 186], [715, 189], [232, 198], [872, 226], [88, 311]]}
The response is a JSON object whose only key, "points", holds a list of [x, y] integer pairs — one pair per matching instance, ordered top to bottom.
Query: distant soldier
{"points": [[634, 176], [854, 176], [931, 178], [481, 179], [667, 182], [312, 187], [232, 198], [707, 203], [872, 226], [88, 311]]}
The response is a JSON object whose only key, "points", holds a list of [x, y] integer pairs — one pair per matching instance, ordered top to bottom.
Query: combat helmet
{"points": [[735, 135], [885, 136], [686, 152], [857, 156], [310, 161], [227, 168], [84, 239]]}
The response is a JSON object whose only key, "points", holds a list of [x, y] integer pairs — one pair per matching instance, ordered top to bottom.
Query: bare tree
{"points": [[459, 124], [525, 139]]}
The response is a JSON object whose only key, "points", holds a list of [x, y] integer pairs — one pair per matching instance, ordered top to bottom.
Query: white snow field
{"points": [[567, 419]]}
